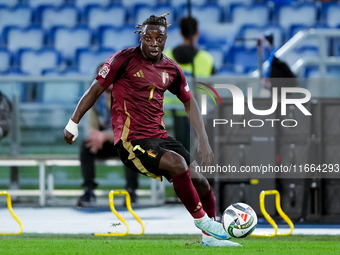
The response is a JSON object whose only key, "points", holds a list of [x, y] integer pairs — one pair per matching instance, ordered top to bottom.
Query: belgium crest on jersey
{"points": [[165, 78]]}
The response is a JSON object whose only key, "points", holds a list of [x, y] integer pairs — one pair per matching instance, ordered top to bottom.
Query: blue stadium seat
{"points": [[9, 3], [38, 3], [132, 3], [178, 3], [227, 3], [81, 4], [227, 6], [144, 12], [206, 14], [305, 14], [250, 15], [332, 15], [20, 16], [65, 16], [112, 16], [258, 32], [218, 34], [112, 37], [27, 38], [68, 40], [312, 42], [303, 52], [218, 56], [88, 60], [243, 60], [5, 62], [34, 62], [226, 71], [312, 72], [333, 72], [54, 92]]}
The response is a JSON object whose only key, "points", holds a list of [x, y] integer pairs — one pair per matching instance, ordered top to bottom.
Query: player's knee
{"points": [[173, 163]]}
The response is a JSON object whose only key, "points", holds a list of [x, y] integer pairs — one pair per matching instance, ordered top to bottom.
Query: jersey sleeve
{"points": [[108, 73], [180, 87]]}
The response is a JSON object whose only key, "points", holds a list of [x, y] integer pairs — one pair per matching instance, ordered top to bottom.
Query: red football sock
{"points": [[187, 193], [208, 202]]}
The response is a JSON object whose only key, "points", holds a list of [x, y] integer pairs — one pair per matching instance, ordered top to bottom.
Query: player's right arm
{"points": [[109, 73], [85, 103]]}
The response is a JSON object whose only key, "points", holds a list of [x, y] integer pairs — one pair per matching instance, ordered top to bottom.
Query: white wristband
{"points": [[73, 129]]}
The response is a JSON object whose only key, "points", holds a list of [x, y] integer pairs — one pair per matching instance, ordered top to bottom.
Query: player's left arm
{"points": [[181, 88], [204, 150]]}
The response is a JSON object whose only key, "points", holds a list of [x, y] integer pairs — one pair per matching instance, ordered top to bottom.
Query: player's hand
{"points": [[71, 132], [68, 137], [95, 141], [205, 152]]}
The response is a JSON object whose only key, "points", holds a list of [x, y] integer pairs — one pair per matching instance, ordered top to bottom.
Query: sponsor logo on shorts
{"points": [[104, 71], [152, 153]]}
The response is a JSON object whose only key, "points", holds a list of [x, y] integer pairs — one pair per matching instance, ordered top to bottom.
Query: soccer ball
{"points": [[239, 220]]}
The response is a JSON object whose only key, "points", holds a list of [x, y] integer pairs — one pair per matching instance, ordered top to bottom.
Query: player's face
{"points": [[153, 40]]}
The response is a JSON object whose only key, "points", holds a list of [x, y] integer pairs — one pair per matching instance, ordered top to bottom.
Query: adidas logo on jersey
{"points": [[139, 74], [244, 216]]}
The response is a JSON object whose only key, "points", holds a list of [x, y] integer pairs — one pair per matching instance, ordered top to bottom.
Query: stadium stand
{"points": [[9, 3], [39, 3], [84, 3], [133, 3], [146, 11], [205, 14], [305, 14], [331, 14], [256, 15], [16, 16], [66, 16], [99, 16], [70, 25], [254, 32], [108, 37], [27, 38], [68, 40], [243, 59], [88, 60], [5, 62], [34, 62]]}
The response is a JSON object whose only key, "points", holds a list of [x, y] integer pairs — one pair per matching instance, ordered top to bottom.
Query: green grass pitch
{"points": [[45, 244]]}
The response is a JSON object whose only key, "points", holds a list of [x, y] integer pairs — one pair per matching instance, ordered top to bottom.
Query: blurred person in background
{"points": [[188, 52], [277, 70], [5, 116], [100, 145]]}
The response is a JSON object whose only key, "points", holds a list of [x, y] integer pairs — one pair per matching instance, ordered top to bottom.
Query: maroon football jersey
{"points": [[138, 92]]}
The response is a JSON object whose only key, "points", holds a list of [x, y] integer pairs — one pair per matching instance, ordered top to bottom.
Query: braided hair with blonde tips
{"points": [[153, 20]]}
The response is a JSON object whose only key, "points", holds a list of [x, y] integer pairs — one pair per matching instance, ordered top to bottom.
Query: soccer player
{"points": [[140, 76]]}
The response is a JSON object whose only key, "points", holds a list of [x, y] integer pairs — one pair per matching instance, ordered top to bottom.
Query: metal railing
{"points": [[322, 61]]}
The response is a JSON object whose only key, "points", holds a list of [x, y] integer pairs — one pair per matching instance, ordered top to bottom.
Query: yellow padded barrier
{"points": [[9, 205], [113, 209], [279, 210]]}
